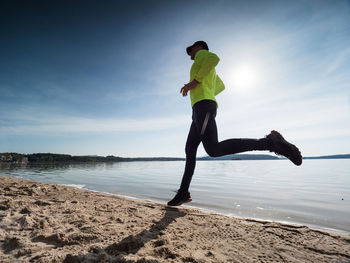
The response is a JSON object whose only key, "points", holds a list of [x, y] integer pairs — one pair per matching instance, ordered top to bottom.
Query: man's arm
{"points": [[208, 63], [191, 85], [220, 86]]}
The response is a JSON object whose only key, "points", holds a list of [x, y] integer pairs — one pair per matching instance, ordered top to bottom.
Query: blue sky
{"points": [[103, 77]]}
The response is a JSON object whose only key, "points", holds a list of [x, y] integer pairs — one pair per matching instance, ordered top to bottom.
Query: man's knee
{"points": [[211, 152]]}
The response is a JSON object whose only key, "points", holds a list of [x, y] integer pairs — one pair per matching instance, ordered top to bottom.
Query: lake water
{"points": [[316, 194]]}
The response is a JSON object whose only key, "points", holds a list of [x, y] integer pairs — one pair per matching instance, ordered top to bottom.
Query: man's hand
{"points": [[191, 85]]}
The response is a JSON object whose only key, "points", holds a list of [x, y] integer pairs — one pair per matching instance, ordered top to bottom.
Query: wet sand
{"points": [[52, 223]]}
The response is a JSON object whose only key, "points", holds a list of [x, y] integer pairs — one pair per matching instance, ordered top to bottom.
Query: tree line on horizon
{"points": [[52, 158], [66, 158]]}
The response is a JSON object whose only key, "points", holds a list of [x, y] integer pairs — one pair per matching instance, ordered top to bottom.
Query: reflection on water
{"points": [[317, 193]]}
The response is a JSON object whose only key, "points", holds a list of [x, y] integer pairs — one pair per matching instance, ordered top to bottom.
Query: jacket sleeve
{"points": [[207, 64], [220, 86]]}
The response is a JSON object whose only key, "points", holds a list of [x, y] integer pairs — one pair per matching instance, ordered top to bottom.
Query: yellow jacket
{"points": [[203, 70]]}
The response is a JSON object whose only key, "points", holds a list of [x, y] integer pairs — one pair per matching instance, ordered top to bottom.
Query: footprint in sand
{"points": [[11, 244]]}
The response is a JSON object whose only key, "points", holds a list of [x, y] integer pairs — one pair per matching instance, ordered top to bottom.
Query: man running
{"points": [[204, 85]]}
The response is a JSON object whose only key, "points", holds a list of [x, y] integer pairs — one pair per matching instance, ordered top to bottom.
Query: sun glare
{"points": [[244, 77]]}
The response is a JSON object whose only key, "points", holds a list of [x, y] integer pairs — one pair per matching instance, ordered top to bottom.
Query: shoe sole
{"points": [[276, 136], [184, 202]]}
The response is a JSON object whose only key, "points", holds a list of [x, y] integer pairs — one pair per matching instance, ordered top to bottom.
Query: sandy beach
{"points": [[53, 223]]}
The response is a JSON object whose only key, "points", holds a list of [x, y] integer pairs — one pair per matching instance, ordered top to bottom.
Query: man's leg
{"points": [[204, 118], [273, 142], [192, 143], [215, 148]]}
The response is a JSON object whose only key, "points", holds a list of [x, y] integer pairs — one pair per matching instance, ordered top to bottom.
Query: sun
{"points": [[244, 76]]}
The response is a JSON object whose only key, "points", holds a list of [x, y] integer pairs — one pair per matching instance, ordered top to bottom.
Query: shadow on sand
{"points": [[132, 243]]}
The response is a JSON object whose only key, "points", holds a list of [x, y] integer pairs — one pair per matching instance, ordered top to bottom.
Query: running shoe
{"points": [[281, 147], [180, 198]]}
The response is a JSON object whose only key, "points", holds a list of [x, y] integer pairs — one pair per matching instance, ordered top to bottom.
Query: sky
{"points": [[104, 77]]}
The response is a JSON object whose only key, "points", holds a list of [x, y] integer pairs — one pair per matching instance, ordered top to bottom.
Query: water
{"points": [[316, 194]]}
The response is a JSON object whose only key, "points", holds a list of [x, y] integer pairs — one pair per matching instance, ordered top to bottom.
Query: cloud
{"points": [[342, 57], [53, 125]]}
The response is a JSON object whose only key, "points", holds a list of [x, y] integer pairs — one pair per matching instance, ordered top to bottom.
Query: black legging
{"points": [[203, 129]]}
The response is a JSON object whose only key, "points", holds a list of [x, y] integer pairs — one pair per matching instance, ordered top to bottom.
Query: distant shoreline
{"points": [[66, 158]]}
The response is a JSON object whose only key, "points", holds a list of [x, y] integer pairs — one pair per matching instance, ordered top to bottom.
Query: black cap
{"points": [[197, 43]]}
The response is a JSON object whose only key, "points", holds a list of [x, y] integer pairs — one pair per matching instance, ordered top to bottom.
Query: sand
{"points": [[53, 223]]}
